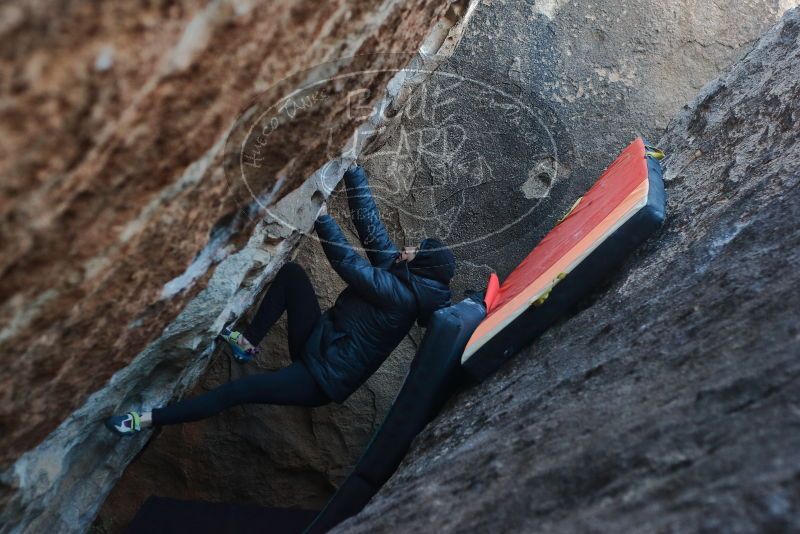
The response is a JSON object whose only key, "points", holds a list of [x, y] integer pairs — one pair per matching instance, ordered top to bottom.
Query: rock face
{"points": [[537, 100], [488, 153], [122, 185], [125, 245], [669, 401]]}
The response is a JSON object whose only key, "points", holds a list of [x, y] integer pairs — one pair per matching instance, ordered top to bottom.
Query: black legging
{"points": [[291, 386]]}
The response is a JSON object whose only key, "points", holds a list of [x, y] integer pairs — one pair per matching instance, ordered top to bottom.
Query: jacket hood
{"points": [[430, 294]]}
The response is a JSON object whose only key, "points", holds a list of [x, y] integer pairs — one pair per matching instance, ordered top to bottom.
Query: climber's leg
{"points": [[291, 291], [290, 386]]}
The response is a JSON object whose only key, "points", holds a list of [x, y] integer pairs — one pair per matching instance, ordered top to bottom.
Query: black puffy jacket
{"points": [[376, 310]]}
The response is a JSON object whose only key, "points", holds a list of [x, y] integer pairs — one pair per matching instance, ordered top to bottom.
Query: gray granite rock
{"points": [[537, 100], [669, 403]]}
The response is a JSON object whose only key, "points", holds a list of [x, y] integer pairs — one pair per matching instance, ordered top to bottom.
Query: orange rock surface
{"points": [[103, 109]]}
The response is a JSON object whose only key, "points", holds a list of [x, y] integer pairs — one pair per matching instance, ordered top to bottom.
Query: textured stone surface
{"points": [[536, 101], [113, 119], [469, 153], [124, 246], [127, 259], [669, 403]]}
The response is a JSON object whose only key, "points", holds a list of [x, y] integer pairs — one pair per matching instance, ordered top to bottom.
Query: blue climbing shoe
{"points": [[240, 354], [124, 425]]}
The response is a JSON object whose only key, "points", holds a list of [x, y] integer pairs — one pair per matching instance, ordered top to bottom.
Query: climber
{"points": [[334, 352]]}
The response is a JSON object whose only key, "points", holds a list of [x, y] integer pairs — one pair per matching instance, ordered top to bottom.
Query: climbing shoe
{"points": [[240, 354], [125, 425]]}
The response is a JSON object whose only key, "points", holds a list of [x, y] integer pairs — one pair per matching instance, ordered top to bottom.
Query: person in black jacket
{"points": [[334, 352]]}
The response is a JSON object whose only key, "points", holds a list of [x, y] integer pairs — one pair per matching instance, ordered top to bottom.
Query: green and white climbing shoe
{"points": [[233, 338], [124, 425]]}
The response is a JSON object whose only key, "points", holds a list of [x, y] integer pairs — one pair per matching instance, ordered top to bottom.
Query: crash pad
{"points": [[623, 208]]}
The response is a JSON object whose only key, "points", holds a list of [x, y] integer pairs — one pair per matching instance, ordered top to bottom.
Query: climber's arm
{"points": [[371, 230], [371, 282]]}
